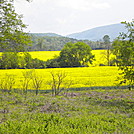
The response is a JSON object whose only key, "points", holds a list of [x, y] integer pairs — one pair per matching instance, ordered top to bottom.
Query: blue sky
{"points": [[70, 16]]}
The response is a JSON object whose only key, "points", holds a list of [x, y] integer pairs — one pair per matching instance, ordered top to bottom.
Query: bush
{"points": [[53, 63]]}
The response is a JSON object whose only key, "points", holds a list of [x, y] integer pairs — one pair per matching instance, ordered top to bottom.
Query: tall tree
{"points": [[12, 37], [106, 39], [40, 43], [123, 48], [107, 53], [74, 55], [9, 60]]}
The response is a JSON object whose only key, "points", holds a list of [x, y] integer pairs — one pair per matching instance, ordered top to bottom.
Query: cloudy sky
{"points": [[70, 16]]}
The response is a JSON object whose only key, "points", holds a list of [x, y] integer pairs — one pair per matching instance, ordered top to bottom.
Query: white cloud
{"points": [[75, 4], [83, 5], [101, 5], [61, 21]]}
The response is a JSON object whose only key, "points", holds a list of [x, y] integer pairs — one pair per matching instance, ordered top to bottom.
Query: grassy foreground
{"points": [[98, 111]]}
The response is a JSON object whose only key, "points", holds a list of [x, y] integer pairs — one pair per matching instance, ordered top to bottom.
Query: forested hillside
{"points": [[45, 34], [53, 42]]}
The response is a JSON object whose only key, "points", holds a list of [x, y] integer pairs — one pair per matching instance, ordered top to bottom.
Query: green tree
{"points": [[12, 37], [106, 39], [40, 43], [123, 48], [107, 53], [74, 55], [9, 60], [28, 60], [53, 63]]}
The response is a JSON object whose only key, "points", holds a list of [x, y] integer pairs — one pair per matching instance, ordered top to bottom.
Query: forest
{"points": [[56, 43]]}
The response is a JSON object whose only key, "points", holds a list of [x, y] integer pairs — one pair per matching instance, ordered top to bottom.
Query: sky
{"points": [[71, 16]]}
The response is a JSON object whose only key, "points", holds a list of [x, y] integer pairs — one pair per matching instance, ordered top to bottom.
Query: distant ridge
{"points": [[98, 33], [46, 34]]}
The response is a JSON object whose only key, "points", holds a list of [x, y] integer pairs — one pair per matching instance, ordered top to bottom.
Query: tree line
{"points": [[72, 55]]}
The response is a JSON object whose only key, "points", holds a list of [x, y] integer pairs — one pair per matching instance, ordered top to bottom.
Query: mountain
{"points": [[98, 33], [46, 34]]}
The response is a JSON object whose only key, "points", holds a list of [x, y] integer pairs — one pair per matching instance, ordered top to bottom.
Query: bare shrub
{"points": [[27, 78], [37, 81], [7, 82], [59, 82]]}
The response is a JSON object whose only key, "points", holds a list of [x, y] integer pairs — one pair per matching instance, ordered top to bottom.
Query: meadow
{"points": [[90, 112]]}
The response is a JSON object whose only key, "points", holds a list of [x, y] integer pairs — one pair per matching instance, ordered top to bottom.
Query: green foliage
{"points": [[12, 37], [106, 39], [123, 48], [107, 53], [75, 55], [9, 60], [33, 63], [53, 63]]}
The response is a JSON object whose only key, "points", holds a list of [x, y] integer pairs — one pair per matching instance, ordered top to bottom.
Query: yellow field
{"points": [[45, 55], [100, 57], [80, 77]]}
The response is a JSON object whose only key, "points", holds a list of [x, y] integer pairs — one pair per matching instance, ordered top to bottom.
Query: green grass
{"points": [[97, 112]]}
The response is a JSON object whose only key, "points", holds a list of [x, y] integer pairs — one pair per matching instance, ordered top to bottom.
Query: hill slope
{"points": [[99, 32], [46, 34], [53, 43]]}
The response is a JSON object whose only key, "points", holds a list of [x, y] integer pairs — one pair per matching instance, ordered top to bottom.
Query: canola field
{"points": [[44, 55], [79, 77]]}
